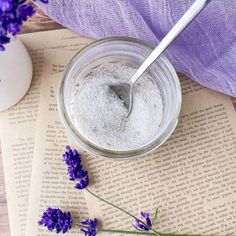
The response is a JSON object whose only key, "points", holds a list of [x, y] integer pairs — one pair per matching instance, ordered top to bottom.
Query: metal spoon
{"points": [[125, 90]]}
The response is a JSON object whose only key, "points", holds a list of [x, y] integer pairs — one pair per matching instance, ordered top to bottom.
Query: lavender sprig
{"points": [[13, 13], [75, 169], [77, 173], [56, 219], [88, 227], [91, 227]]}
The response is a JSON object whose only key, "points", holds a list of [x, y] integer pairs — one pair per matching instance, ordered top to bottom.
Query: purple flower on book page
{"points": [[75, 168], [56, 219], [141, 226], [91, 227]]}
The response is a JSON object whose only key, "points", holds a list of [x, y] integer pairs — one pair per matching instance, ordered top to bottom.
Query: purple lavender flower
{"points": [[6, 5], [12, 15], [75, 169], [56, 219], [92, 224], [141, 226]]}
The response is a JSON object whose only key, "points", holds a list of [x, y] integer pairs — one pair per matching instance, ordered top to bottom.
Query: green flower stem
{"points": [[126, 212], [118, 231], [125, 232], [135, 232], [141, 233]]}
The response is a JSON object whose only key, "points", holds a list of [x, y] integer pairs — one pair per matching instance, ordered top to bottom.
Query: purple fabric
{"points": [[205, 51]]}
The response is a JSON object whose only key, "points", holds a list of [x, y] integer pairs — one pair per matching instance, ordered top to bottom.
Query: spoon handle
{"points": [[184, 21]]}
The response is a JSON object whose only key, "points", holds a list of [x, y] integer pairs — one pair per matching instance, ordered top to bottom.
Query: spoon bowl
{"points": [[124, 93]]}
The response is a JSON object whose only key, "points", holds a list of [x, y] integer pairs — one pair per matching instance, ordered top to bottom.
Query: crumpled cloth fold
{"points": [[205, 51]]}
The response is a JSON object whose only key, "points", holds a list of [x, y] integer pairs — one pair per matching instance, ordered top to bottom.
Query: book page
{"points": [[17, 125], [191, 178], [53, 188]]}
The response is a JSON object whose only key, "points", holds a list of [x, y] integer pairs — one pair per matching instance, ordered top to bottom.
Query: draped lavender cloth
{"points": [[205, 51]]}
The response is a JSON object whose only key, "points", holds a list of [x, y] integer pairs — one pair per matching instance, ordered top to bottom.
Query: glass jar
{"points": [[135, 52]]}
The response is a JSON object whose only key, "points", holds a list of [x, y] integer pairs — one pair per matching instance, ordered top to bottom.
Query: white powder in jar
{"points": [[100, 116]]}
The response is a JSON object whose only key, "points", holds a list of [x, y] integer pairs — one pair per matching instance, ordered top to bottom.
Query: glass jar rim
{"points": [[90, 147]]}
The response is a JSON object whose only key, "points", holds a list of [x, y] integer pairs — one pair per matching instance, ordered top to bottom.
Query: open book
{"points": [[191, 178]]}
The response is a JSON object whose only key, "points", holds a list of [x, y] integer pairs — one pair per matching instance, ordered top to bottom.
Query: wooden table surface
{"points": [[39, 22]]}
